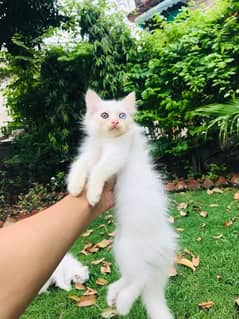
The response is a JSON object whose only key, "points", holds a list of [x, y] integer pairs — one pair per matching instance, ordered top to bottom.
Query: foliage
{"points": [[28, 18], [182, 65], [46, 96], [224, 117]]}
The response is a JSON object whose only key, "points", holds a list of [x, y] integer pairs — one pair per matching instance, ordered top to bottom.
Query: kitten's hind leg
{"points": [[113, 291], [127, 297], [155, 303]]}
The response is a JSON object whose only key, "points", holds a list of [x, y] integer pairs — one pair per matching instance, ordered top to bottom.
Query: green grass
{"points": [[216, 278]]}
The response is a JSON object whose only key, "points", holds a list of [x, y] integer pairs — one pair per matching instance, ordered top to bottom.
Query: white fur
{"points": [[145, 243], [69, 270]]}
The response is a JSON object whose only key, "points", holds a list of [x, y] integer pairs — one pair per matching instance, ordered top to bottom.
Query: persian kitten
{"points": [[145, 244], [69, 270]]}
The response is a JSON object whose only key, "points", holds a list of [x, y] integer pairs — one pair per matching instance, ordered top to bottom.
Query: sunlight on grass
{"points": [[215, 279]]}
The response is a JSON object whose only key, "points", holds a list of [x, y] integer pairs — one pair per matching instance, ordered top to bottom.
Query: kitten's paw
{"points": [[76, 183], [93, 193], [82, 276], [64, 286], [113, 291], [122, 304]]}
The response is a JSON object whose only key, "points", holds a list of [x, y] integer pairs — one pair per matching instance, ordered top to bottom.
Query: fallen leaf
{"points": [[214, 190], [236, 196], [213, 205], [182, 206], [183, 213], [203, 214], [108, 217], [171, 219], [230, 222], [180, 229], [87, 233], [112, 234], [218, 236], [199, 238], [104, 243], [89, 248], [187, 251], [97, 261], [196, 261], [185, 262], [105, 268], [173, 272], [101, 282], [79, 286], [90, 292], [75, 298], [86, 301], [237, 302], [206, 305], [109, 313]]}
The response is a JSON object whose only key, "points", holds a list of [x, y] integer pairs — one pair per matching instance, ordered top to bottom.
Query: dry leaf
{"points": [[214, 190], [236, 196], [213, 205], [182, 206], [183, 213], [203, 214], [108, 217], [171, 219], [230, 222], [180, 229], [87, 233], [112, 234], [218, 236], [199, 238], [104, 243], [89, 248], [187, 251], [97, 261], [196, 261], [185, 262], [105, 268], [172, 272], [101, 281], [79, 286], [90, 292], [75, 298], [86, 301], [237, 301], [206, 305], [109, 313]]}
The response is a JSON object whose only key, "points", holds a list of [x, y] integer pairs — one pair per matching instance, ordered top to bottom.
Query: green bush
{"points": [[188, 62]]}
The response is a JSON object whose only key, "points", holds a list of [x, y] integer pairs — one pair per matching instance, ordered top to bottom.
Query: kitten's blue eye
{"points": [[104, 115], [122, 116]]}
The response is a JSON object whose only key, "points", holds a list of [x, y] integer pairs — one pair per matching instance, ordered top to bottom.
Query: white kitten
{"points": [[145, 244], [68, 270]]}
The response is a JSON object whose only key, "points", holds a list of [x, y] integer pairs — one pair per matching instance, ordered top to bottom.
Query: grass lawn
{"points": [[216, 278]]}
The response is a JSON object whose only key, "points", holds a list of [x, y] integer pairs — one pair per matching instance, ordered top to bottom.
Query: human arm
{"points": [[32, 248]]}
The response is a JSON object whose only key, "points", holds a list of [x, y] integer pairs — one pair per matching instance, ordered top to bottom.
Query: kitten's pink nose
{"points": [[114, 122]]}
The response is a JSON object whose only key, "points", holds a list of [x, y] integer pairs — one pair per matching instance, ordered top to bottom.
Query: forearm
{"points": [[31, 249]]}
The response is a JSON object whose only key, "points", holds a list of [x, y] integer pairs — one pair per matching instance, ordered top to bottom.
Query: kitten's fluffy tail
{"points": [[155, 303]]}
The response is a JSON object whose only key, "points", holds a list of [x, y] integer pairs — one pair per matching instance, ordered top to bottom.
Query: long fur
{"points": [[145, 244], [69, 270]]}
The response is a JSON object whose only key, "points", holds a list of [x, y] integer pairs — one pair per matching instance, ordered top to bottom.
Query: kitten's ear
{"points": [[92, 101], [130, 102]]}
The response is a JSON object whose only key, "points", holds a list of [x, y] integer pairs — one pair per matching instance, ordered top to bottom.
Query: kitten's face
{"points": [[109, 118]]}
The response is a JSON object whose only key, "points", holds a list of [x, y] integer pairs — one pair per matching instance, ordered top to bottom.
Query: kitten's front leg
{"points": [[77, 177], [95, 186]]}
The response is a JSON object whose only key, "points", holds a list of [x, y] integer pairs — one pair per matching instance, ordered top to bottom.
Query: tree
{"points": [[29, 18]]}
